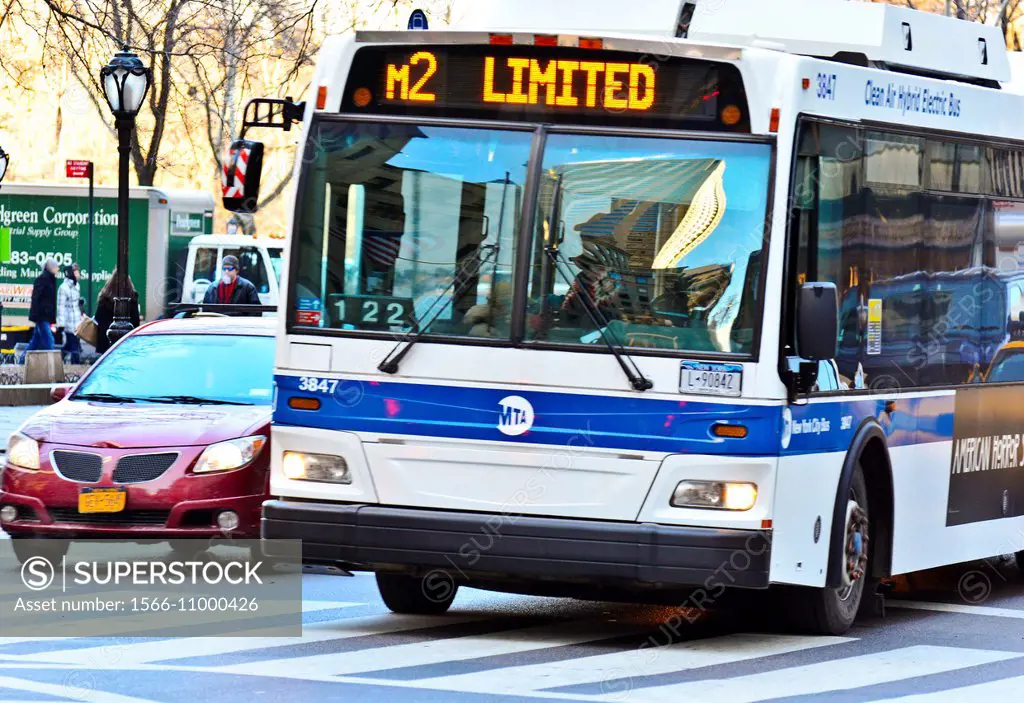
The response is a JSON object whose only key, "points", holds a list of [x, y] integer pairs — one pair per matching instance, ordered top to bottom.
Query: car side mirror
{"points": [[240, 176], [817, 321], [59, 393]]}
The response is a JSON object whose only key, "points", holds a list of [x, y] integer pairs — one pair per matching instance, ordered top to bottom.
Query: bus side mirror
{"points": [[240, 176], [817, 321]]}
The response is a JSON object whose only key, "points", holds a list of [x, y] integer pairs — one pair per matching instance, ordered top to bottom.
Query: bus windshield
{"points": [[402, 226]]}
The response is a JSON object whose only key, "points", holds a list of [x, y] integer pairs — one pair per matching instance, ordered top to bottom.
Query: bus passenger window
{"points": [[913, 259], [254, 269]]}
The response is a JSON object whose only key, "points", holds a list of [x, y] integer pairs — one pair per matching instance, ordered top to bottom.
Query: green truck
{"points": [[38, 222]]}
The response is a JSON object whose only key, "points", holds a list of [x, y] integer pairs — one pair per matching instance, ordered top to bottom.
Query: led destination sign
{"points": [[554, 84]]}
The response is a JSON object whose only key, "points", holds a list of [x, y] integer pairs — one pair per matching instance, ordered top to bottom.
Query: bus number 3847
{"points": [[317, 385]]}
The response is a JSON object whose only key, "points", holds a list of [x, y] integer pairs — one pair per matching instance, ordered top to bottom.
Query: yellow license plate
{"points": [[101, 500]]}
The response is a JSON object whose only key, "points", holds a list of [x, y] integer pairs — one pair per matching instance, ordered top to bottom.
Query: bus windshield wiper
{"points": [[554, 253], [423, 323], [390, 363], [104, 397], [189, 400]]}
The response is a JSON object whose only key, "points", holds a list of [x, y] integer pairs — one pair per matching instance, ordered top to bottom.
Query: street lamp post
{"points": [[125, 83], [5, 160]]}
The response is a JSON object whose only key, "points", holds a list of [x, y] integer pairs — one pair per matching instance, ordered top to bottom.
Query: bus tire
{"points": [[1020, 563], [409, 595], [832, 611]]}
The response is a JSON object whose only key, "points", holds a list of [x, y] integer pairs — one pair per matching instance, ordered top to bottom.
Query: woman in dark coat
{"points": [[105, 308]]}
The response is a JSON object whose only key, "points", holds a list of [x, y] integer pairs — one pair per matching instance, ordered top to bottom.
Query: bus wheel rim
{"points": [[855, 548]]}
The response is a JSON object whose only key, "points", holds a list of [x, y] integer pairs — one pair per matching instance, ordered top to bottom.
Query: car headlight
{"points": [[23, 452], [233, 454]]}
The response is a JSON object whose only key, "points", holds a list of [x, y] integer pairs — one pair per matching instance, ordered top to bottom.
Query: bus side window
{"points": [[205, 268], [254, 269], [204, 272]]}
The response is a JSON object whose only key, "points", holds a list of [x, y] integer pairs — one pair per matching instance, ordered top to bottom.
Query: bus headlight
{"points": [[23, 452], [233, 454], [319, 468], [715, 495]]}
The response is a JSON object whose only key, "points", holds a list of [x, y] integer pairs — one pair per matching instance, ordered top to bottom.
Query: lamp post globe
{"points": [[125, 83]]}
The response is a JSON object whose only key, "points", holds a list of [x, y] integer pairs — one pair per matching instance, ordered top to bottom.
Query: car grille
{"points": [[77, 466], [143, 467], [127, 517]]}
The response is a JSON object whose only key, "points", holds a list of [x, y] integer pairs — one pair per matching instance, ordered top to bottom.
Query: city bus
{"points": [[561, 313]]}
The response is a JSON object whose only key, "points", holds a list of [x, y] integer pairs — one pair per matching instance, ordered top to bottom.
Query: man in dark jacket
{"points": [[232, 289], [43, 311]]}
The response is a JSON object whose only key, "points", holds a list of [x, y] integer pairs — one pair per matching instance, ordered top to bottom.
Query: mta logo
{"points": [[515, 417]]}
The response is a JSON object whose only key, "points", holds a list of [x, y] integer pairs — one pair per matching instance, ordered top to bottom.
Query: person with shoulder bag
{"points": [[105, 307], [69, 314]]}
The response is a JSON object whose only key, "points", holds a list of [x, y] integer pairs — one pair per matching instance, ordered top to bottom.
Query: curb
{"points": [[30, 394]]}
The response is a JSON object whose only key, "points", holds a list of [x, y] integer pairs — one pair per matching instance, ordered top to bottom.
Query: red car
{"points": [[164, 438]]}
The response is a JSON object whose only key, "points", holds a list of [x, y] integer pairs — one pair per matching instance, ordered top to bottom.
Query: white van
{"points": [[261, 262]]}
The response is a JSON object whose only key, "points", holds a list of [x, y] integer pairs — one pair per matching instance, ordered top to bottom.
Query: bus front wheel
{"points": [[409, 595], [832, 611]]}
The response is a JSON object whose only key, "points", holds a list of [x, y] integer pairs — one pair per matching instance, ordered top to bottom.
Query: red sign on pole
{"points": [[77, 169]]}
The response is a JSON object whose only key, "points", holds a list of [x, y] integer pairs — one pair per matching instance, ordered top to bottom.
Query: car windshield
{"points": [[414, 228], [217, 368]]}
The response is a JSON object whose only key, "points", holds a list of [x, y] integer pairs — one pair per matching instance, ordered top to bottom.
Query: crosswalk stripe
{"points": [[314, 606], [958, 608], [150, 624], [248, 630], [193, 647], [436, 651], [635, 662], [825, 677], [74, 688], [1003, 690]]}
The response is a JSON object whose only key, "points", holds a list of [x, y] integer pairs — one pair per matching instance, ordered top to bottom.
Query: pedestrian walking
{"points": [[232, 289], [105, 308], [43, 310], [69, 314]]}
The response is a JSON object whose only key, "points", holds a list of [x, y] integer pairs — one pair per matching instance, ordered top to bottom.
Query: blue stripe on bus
{"points": [[609, 422]]}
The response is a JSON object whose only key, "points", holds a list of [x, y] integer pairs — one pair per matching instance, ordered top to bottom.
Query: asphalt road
{"points": [[957, 636], [933, 646]]}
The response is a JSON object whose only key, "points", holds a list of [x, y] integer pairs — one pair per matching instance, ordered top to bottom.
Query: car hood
{"points": [[89, 424]]}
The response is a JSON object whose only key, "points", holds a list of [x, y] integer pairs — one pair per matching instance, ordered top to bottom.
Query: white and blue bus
{"points": [[562, 307]]}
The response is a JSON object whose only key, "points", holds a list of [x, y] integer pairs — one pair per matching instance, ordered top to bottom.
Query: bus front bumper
{"points": [[374, 537]]}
